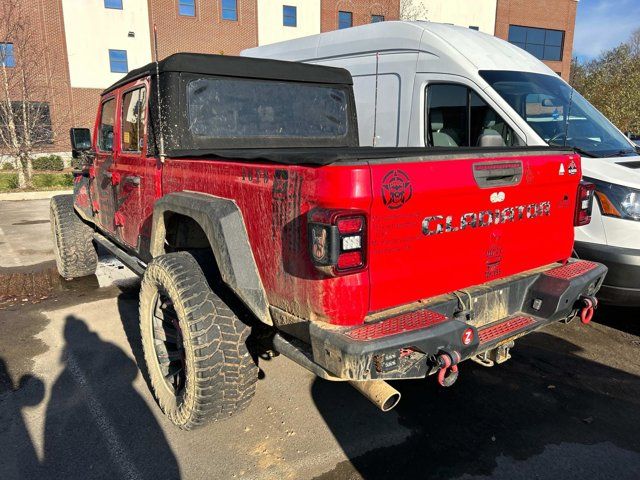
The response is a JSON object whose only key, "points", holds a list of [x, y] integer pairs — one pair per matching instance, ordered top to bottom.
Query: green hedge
{"points": [[50, 162], [7, 166], [46, 180], [9, 181]]}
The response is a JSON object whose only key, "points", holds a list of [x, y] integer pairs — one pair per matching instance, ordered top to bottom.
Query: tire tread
{"points": [[73, 240], [225, 374]]}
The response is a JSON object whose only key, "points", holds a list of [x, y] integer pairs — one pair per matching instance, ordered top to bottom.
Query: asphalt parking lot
{"points": [[73, 403]]}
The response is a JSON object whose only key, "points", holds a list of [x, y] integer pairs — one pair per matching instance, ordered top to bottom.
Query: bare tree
{"points": [[413, 10], [634, 43], [610, 82], [25, 122]]}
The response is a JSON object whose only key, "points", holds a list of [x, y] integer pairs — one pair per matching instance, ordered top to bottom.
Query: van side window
{"points": [[134, 108], [447, 114], [458, 117], [107, 122], [488, 129]]}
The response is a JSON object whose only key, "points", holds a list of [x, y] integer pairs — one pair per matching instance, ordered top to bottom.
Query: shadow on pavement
{"points": [[130, 318], [625, 319], [548, 413], [97, 425], [17, 453]]}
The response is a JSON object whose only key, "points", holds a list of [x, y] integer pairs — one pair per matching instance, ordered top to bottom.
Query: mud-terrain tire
{"points": [[75, 253], [213, 375]]}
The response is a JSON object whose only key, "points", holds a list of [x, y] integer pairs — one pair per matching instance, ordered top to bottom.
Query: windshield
{"points": [[554, 112]]}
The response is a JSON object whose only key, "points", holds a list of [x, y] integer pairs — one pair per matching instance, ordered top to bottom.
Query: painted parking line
{"points": [[115, 446]]}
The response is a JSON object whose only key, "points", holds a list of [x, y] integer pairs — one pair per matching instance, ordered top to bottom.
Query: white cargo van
{"points": [[430, 84]]}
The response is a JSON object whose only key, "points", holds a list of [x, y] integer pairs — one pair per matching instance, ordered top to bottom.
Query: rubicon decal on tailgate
{"points": [[445, 224]]}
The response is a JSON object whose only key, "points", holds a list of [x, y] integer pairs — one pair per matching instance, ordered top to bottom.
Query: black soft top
{"points": [[245, 67]]}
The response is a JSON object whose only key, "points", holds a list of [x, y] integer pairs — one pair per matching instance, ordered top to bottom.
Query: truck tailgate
{"points": [[439, 225]]}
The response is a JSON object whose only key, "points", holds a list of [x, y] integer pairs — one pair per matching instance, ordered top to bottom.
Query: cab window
{"points": [[458, 117], [133, 120], [107, 123]]}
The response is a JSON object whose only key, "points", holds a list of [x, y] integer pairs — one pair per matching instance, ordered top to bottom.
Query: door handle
{"points": [[497, 174], [134, 180]]}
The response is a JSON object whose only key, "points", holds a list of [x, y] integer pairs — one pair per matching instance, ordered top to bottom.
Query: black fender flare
{"points": [[223, 224]]}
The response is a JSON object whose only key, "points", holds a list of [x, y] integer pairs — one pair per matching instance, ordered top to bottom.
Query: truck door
{"points": [[134, 173], [101, 181]]}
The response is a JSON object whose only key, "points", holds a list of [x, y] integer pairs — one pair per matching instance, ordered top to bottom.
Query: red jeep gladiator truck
{"points": [[236, 188]]}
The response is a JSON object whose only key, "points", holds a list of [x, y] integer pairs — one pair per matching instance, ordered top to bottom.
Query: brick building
{"points": [[347, 13], [542, 27], [546, 30], [207, 31], [86, 45]]}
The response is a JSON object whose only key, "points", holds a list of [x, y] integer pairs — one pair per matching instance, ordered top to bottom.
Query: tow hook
{"points": [[589, 305], [448, 364]]}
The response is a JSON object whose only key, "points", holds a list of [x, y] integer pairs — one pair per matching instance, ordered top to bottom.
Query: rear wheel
{"points": [[72, 240], [194, 345]]}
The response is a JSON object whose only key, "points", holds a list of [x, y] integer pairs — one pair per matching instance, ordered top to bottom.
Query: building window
{"points": [[115, 4], [187, 8], [230, 10], [289, 16], [377, 18], [345, 19], [473, 27], [539, 42], [6, 55], [118, 61]]}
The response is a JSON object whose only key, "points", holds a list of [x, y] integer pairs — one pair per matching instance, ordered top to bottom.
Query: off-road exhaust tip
{"points": [[379, 392]]}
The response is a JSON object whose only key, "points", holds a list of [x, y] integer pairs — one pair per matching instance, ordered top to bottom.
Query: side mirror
{"points": [[80, 141]]}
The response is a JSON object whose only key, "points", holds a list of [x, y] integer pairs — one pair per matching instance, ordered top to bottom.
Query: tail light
{"points": [[584, 203], [337, 240]]}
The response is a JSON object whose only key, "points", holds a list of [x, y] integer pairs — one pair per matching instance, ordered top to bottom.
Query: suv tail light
{"points": [[584, 203], [337, 240]]}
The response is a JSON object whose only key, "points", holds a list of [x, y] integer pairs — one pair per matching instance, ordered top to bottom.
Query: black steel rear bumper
{"points": [[406, 345]]}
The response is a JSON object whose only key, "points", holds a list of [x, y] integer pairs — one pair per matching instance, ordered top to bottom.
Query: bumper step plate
{"points": [[504, 329]]}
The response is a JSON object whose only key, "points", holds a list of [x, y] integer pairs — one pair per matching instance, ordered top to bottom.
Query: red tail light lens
{"points": [[584, 203], [350, 225], [337, 240], [349, 260]]}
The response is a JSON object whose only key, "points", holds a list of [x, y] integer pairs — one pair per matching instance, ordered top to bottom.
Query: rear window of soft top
{"points": [[224, 111]]}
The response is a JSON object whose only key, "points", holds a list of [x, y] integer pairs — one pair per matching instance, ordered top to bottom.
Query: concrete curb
{"points": [[17, 196]]}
